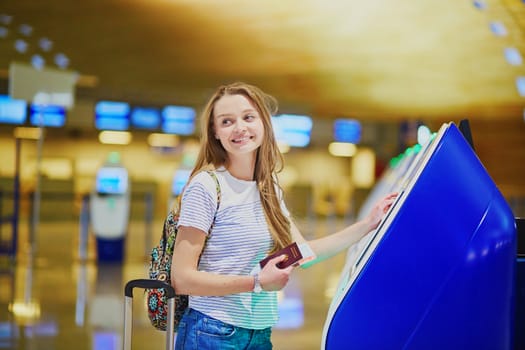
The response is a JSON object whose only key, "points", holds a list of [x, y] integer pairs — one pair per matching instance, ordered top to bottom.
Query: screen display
{"points": [[12, 111], [47, 115], [111, 115], [147, 118], [178, 120], [293, 130], [347, 130], [180, 179], [112, 180]]}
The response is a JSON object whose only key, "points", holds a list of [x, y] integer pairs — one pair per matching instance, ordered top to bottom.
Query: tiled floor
{"points": [[53, 300]]}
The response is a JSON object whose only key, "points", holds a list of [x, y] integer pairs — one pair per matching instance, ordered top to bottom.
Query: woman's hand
{"points": [[379, 210], [273, 278]]}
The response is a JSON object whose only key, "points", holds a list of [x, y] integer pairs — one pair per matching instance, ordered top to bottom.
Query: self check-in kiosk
{"points": [[109, 207], [439, 271], [519, 342]]}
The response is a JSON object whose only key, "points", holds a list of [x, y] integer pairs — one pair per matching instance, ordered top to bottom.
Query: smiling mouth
{"points": [[242, 139]]}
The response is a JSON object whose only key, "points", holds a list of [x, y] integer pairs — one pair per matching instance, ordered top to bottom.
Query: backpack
{"points": [[160, 269]]}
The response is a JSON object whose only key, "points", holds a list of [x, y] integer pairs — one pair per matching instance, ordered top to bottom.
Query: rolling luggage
{"points": [[128, 309]]}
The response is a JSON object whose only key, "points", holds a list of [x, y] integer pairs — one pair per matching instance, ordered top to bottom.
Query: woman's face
{"points": [[238, 125]]}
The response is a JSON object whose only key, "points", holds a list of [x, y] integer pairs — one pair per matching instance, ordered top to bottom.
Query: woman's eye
{"points": [[249, 117]]}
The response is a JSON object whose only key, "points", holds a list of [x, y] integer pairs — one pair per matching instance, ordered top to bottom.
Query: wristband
{"points": [[257, 288]]}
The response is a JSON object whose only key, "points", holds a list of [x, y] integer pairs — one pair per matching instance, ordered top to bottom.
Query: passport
{"points": [[293, 256]]}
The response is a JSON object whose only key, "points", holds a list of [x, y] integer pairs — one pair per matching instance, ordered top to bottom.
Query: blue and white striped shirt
{"points": [[239, 239]]}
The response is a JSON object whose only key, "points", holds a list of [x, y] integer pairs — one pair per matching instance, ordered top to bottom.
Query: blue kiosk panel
{"points": [[440, 270]]}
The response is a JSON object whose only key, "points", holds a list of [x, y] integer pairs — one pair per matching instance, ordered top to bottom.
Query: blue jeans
{"points": [[198, 331]]}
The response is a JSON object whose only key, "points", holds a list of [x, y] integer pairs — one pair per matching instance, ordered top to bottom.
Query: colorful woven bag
{"points": [[160, 269]]}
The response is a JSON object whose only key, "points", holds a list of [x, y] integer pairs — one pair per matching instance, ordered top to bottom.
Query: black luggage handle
{"points": [[148, 284]]}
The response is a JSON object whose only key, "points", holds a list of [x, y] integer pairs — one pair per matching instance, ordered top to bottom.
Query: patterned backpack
{"points": [[160, 268]]}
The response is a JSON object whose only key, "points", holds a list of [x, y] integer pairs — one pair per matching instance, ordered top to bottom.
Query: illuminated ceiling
{"points": [[366, 59]]}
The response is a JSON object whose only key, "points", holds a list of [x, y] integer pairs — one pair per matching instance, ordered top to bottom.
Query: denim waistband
{"points": [[199, 331]]}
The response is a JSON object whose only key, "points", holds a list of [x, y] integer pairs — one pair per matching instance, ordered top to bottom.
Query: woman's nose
{"points": [[240, 126]]}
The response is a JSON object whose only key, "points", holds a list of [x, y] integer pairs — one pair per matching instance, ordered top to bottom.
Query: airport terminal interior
{"points": [[99, 128], [54, 300]]}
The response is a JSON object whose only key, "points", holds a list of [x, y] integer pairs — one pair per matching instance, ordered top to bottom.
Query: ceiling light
{"points": [[479, 4], [5, 19], [498, 28], [25, 29], [45, 44], [21, 46], [513, 56], [61, 60], [38, 62], [115, 137], [163, 140], [342, 149], [27, 310]]}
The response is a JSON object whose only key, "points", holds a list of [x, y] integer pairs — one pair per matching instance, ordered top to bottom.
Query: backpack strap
{"points": [[218, 188]]}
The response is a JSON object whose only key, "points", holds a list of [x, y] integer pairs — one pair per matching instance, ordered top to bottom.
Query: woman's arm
{"points": [[330, 245], [187, 279]]}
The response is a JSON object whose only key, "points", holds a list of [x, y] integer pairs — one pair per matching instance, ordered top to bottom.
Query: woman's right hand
{"points": [[379, 210], [273, 278]]}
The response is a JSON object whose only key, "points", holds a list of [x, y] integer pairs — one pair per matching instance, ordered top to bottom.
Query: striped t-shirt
{"points": [[239, 239]]}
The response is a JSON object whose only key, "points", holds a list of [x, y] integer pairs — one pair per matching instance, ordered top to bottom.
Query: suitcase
{"points": [[128, 309]]}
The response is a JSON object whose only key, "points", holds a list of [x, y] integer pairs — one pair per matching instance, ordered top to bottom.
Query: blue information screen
{"points": [[12, 111], [47, 115], [112, 115], [147, 118], [178, 120], [293, 130], [347, 130], [112, 180]]}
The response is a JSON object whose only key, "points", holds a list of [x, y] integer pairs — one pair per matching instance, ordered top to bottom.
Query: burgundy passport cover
{"points": [[292, 253]]}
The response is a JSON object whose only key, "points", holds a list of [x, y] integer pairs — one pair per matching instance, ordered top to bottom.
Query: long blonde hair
{"points": [[268, 163]]}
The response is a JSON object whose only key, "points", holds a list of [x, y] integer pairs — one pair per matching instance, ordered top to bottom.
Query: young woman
{"points": [[232, 304]]}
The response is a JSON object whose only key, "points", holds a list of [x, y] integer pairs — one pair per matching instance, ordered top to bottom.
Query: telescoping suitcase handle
{"points": [[128, 309]]}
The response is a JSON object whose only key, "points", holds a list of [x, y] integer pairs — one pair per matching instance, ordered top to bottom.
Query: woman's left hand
{"points": [[273, 278]]}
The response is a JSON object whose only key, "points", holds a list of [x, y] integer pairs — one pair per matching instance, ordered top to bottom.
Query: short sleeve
{"points": [[199, 203]]}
